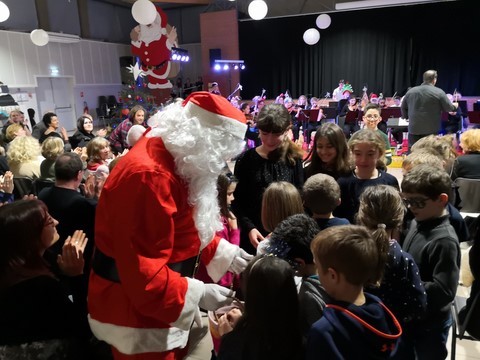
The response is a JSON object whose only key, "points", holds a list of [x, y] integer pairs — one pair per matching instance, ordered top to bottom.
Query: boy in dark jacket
{"points": [[434, 246], [355, 325]]}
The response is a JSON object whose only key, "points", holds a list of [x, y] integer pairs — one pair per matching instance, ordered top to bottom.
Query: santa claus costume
{"points": [[153, 48], [157, 213]]}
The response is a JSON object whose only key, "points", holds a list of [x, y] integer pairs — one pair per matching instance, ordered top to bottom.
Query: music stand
{"points": [[393, 112]]}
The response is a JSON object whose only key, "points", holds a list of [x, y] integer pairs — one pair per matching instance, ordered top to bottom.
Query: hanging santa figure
{"points": [[152, 43]]}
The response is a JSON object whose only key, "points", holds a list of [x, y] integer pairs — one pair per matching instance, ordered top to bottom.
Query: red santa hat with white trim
{"points": [[216, 112]]}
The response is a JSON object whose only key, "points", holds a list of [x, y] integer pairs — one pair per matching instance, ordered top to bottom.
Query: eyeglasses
{"points": [[418, 203]]}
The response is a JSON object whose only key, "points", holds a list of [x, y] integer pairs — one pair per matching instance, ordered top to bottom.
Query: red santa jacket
{"points": [[143, 221]]}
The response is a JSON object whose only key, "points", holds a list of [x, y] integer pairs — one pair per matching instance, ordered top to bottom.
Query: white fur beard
{"points": [[200, 153]]}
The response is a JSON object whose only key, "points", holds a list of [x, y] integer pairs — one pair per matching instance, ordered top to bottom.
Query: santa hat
{"points": [[163, 19], [373, 96], [214, 111], [134, 134]]}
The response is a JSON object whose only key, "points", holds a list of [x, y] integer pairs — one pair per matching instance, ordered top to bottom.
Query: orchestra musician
{"points": [[350, 111]]}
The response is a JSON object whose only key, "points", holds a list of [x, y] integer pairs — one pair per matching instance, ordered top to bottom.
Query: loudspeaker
{"points": [[215, 54], [125, 75]]}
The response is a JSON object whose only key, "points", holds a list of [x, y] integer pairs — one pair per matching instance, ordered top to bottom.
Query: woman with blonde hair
{"points": [[52, 148], [98, 151], [23, 157], [468, 164]]}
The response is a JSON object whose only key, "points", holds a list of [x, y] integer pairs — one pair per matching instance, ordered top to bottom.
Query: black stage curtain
{"points": [[385, 49]]}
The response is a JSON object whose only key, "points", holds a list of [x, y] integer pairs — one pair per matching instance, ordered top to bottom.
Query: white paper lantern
{"points": [[257, 9], [4, 12], [144, 12], [323, 21], [311, 36], [39, 37]]}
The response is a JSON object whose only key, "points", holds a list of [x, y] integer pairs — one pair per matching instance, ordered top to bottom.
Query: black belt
{"points": [[105, 266]]}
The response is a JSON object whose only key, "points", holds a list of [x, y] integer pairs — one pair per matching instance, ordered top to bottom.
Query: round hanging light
{"points": [[257, 9], [4, 12], [323, 21], [311, 36], [39, 37]]}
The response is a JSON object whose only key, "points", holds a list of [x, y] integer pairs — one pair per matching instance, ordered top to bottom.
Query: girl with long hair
{"points": [[329, 154], [276, 159], [269, 327]]}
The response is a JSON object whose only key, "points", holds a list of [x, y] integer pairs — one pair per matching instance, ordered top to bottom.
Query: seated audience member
{"points": [[15, 117], [371, 118], [52, 123], [13, 131], [84, 132], [118, 137], [52, 148], [367, 149], [98, 151], [329, 154], [23, 157], [426, 157], [468, 165], [321, 195], [279, 201], [74, 212], [291, 241], [434, 246], [347, 259], [401, 289], [39, 321], [269, 326]]}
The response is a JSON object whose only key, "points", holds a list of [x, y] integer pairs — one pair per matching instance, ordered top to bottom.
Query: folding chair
{"points": [[39, 184], [22, 186], [469, 192], [459, 327]]}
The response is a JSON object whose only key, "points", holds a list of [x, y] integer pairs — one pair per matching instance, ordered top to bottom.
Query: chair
{"points": [[40, 184], [22, 186], [469, 192], [459, 326]]}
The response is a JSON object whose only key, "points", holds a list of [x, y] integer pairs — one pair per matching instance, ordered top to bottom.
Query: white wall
{"points": [[94, 67]]}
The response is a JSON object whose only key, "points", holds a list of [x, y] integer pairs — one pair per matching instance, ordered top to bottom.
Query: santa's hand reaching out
{"points": [[240, 261]]}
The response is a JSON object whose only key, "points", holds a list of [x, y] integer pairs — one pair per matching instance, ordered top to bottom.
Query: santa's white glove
{"points": [[240, 261], [215, 296]]}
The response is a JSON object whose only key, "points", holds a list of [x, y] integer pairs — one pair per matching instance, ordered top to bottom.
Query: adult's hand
{"points": [[6, 182], [255, 237], [71, 260], [240, 261], [215, 296]]}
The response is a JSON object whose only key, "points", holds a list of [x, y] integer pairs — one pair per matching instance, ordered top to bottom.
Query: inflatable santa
{"points": [[152, 44], [156, 219]]}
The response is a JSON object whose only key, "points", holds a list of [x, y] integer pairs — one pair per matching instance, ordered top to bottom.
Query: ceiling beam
{"points": [[186, 2]]}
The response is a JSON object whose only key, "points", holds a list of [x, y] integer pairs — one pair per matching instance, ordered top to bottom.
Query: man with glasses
{"points": [[371, 118], [434, 246]]}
